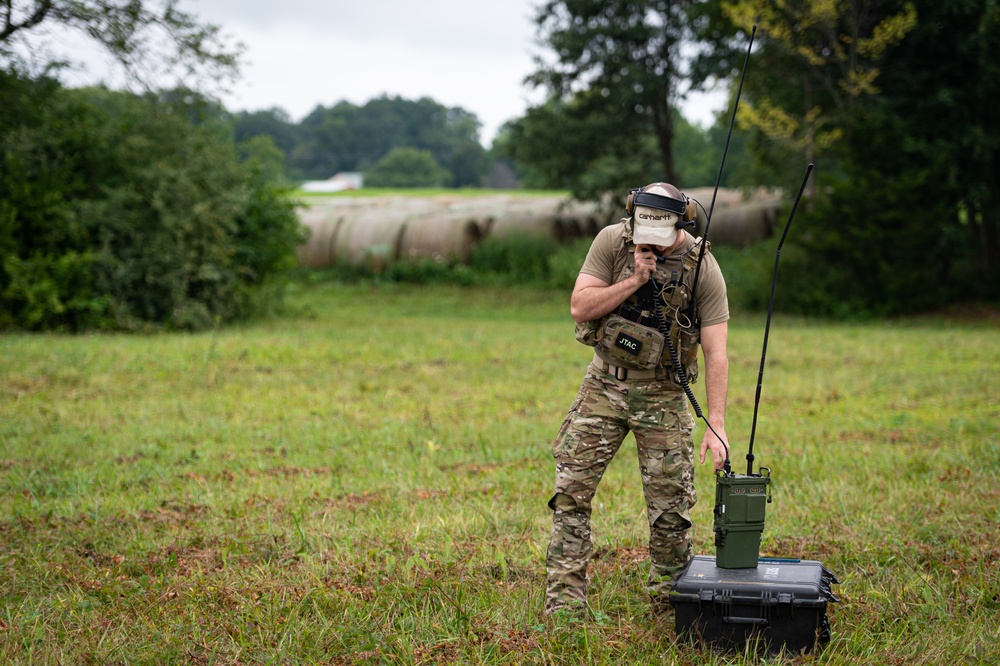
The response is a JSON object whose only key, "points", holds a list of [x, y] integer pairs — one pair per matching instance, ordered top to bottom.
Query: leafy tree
{"points": [[150, 40], [817, 59], [616, 73], [273, 123], [557, 144], [546, 145], [698, 153], [267, 158], [469, 165], [406, 167], [125, 211], [120, 212], [909, 216]]}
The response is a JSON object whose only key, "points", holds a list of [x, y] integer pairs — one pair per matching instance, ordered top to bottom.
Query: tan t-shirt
{"points": [[609, 254]]}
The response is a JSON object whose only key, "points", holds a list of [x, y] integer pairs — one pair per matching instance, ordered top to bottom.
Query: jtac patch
{"points": [[629, 344]]}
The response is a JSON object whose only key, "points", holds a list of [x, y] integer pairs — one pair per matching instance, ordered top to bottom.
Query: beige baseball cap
{"points": [[652, 226]]}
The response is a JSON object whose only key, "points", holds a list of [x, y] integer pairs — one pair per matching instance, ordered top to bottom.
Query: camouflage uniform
{"points": [[651, 405], [604, 411]]}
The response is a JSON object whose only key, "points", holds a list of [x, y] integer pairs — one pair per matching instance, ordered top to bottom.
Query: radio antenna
{"points": [[718, 178], [770, 310]]}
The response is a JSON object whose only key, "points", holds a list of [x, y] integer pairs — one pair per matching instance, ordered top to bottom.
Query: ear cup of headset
{"points": [[630, 201], [690, 213], [690, 216]]}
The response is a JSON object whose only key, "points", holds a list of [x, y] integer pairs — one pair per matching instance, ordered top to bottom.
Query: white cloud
{"points": [[454, 26], [461, 53], [297, 68]]}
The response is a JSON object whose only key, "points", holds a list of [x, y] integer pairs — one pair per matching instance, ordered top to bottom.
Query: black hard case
{"points": [[778, 606]]}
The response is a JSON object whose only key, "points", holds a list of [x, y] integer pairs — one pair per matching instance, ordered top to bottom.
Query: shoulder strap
{"points": [[690, 257]]}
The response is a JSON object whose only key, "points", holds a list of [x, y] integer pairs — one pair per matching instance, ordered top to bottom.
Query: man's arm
{"points": [[593, 297], [713, 345]]}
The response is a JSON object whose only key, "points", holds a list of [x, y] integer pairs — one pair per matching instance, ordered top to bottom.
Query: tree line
{"points": [[891, 99], [359, 138], [397, 142], [161, 208]]}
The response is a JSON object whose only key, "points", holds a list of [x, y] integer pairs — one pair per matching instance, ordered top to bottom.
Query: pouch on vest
{"points": [[587, 332], [686, 343], [630, 345]]}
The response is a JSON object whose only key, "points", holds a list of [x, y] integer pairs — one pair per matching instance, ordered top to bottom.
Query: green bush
{"points": [[407, 167], [122, 213], [520, 257], [530, 259], [748, 273]]}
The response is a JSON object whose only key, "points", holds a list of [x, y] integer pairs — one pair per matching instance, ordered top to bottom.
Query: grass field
{"points": [[364, 481]]}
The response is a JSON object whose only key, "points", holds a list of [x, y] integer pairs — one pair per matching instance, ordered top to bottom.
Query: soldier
{"points": [[637, 283]]}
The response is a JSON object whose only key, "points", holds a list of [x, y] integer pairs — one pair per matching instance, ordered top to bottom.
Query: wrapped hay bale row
{"points": [[726, 197], [551, 217], [589, 217], [738, 219], [541, 224], [393, 230], [379, 231], [371, 237], [379, 237]]}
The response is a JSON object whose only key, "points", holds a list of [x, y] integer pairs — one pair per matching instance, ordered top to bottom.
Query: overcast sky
{"points": [[467, 53]]}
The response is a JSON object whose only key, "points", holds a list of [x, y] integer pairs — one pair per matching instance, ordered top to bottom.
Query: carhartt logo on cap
{"points": [[653, 215]]}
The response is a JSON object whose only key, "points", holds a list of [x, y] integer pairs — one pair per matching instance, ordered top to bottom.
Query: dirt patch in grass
{"points": [[349, 502], [174, 513], [622, 555]]}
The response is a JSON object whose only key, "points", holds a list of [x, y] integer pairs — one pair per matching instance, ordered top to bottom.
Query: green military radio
{"points": [[740, 501]]}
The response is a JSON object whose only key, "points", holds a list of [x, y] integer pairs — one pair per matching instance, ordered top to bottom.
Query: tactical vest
{"points": [[674, 277]]}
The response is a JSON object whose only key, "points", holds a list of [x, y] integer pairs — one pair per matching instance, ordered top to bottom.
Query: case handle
{"points": [[759, 621]]}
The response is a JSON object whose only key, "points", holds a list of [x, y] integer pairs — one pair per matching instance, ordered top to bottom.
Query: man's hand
{"points": [[645, 263], [718, 448]]}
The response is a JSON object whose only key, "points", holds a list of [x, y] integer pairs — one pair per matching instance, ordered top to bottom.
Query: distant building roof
{"points": [[340, 182]]}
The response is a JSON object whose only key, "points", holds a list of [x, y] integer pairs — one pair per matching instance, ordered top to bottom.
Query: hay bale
{"points": [[323, 224], [547, 225], [372, 237], [439, 237]]}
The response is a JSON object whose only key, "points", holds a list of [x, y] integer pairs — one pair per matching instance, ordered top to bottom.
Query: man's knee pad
{"points": [[564, 503], [672, 521]]}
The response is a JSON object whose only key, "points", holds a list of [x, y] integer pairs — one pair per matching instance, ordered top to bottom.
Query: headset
{"points": [[686, 209]]}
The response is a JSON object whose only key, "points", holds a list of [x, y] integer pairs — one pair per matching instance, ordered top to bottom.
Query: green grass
{"points": [[365, 479]]}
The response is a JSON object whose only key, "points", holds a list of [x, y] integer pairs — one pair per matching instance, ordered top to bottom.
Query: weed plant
{"points": [[365, 479]]}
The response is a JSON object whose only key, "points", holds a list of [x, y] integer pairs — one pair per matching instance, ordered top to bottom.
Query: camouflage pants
{"points": [[604, 411]]}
